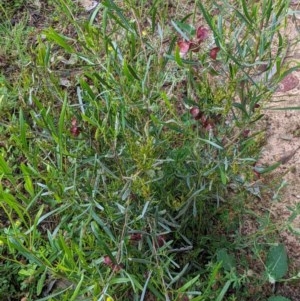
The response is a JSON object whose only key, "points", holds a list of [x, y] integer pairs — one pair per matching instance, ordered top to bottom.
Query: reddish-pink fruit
{"points": [[202, 33], [184, 47], [214, 52], [196, 113], [207, 123], [209, 126], [75, 130], [246, 133], [135, 236], [161, 239], [107, 261], [115, 267]]}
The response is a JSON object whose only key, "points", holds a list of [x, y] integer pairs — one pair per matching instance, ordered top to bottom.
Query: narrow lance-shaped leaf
{"points": [[59, 39]]}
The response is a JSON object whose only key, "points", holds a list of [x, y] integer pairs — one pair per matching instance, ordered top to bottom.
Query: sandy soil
{"points": [[283, 144]]}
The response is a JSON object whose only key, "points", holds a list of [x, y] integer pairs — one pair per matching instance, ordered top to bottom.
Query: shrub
{"points": [[125, 150]]}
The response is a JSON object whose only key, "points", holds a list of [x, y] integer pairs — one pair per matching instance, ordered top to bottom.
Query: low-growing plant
{"points": [[136, 139]]}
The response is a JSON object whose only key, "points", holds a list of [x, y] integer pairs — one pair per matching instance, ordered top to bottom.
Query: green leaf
{"points": [[113, 8], [267, 9], [246, 13], [209, 20], [183, 28], [59, 39], [177, 57], [129, 72], [133, 72], [287, 72], [61, 123], [23, 129], [61, 132], [211, 143], [263, 170], [6, 171], [223, 175], [28, 182], [11, 201], [16, 244], [106, 248], [228, 261], [277, 263], [179, 275], [212, 279], [119, 280], [134, 281], [40, 283], [187, 285], [145, 286], [77, 290], [224, 290], [50, 297], [278, 298]]}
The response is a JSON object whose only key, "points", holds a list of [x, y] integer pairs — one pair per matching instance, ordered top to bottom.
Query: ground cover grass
{"points": [[129, 143]]}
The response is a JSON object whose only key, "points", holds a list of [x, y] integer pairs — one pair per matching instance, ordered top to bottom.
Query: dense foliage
{"points": [[129, 147]]}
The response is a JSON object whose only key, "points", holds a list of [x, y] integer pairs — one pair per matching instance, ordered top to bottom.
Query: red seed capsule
{"points": [[202, 33], [184, 47], [214, 52], [196, 113], [75, 130], [246, 133], [135, 236], [161, 240], [107, 260]]}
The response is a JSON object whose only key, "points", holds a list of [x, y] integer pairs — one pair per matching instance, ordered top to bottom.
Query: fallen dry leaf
{"points": [[88, 4]]}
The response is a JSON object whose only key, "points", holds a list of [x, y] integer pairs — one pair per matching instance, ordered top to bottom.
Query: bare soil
{"points": [[283, 144]]}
